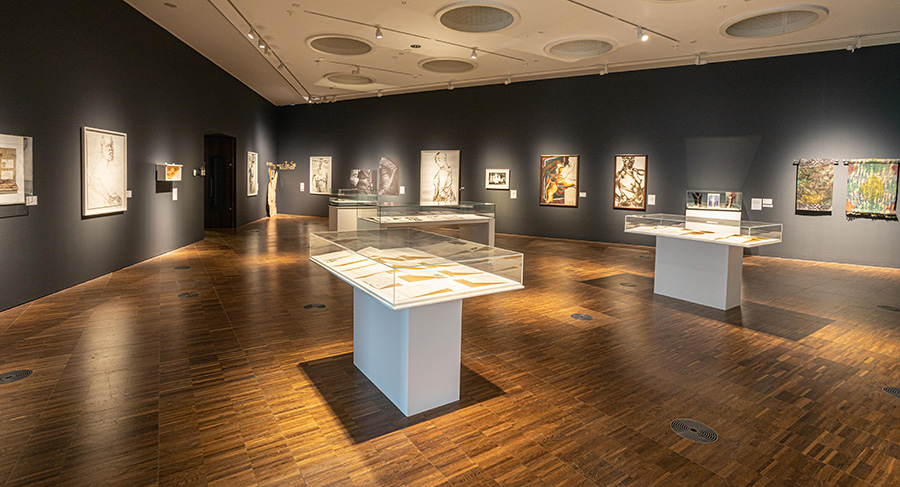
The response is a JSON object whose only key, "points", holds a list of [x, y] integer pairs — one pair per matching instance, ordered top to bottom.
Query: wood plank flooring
{"points": [[243, 386]]}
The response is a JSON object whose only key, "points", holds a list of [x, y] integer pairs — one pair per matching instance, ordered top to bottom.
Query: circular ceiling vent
{"points": [[477, 17], [773, 22], [339, 45], [578, 48], [447, 65], [354, 79]]}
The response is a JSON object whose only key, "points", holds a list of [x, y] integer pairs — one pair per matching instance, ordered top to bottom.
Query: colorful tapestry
{"points": [[815, 185], [872, 188]]}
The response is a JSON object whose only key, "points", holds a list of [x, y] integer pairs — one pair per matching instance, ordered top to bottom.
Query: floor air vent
{"points": [[14, 376], [694, 430]]}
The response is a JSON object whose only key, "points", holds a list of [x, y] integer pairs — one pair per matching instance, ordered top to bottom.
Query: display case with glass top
{"points": [[352, 197], [713, 200], [392, 213], [740, 233], [406, 267]]}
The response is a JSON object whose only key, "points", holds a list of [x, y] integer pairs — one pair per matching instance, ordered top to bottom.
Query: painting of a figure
{"points": [[105, 171], [252, 174], [320, 175], [388, 177], [362, 179], [559, 180], [439, 181], [630, 182], [815, 186], [872, 188]]}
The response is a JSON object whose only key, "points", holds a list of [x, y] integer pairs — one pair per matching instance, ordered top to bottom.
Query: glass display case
{"points": [[352, 197], [713, 200], [393, 213], [741, 233], [406, 267]]}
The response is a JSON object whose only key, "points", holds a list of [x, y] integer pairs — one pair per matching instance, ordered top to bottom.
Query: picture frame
{"points": [[15, 169], [104, 171], [252, 174], [320, 175], [388, 177], [439, 177], [496, 179], [363, 180], [559, 180], [630, 182], [713, 200]]}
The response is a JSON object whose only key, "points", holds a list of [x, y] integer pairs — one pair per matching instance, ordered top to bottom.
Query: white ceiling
{"points": [[217, 29]]}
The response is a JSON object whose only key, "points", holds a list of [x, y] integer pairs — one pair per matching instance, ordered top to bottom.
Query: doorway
{"points": [[219, 190]]}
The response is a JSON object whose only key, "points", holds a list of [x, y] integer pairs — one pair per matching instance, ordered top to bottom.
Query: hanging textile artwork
{"points": [[815, 185], [872, 188]]}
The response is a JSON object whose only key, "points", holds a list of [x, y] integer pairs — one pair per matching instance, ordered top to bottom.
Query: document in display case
{"points": [[475, 220], [741, 233]]}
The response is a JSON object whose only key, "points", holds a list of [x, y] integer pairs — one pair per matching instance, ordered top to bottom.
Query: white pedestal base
{"points": [[342, 218], [699, 272], [411, 355]]}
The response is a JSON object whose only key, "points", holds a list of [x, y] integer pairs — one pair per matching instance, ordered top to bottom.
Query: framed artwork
{"points": [[15, 160], [105, 171], [252, 174], [320, 175], [388, 177], [362, 179], [496, 179], [559, 180], [439, 181], [630, 182], [815, 186], [872, 188], [712, 200]]}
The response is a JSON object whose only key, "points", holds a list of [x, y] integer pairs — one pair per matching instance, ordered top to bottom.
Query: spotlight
{"points": [[251, 34], [378, 34], [643, 37], [261, 44], [857, 45], [266, 51], [474, 54], [699, 60], [355, 70], [604, 70], [508, 80], [449, 85], [380, 93]]}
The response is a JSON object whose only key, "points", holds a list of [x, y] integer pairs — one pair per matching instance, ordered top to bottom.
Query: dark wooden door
{"points": [[219, 192]]}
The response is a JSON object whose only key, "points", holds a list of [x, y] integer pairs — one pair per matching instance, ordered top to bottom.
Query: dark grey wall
{"points": [[102, 64], [731, 126]]}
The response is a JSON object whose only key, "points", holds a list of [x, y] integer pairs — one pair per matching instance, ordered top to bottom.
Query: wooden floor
{"points": [[243, 386]]}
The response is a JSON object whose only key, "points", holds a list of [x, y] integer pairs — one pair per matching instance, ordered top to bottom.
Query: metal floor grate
{"points": [[188, 295], [314, 306], [582, 317], [14, 376], [894, 391], [694, 430]]}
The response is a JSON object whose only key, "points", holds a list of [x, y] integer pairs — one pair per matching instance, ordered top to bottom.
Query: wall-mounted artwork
{"points": [[15, 158], [105, 166], [252, 174], [320, 175], [388, 177], [496, 179], [363, 180], [559, 180], [439, 181], [630, 182], [815, 186], [872, 188]]}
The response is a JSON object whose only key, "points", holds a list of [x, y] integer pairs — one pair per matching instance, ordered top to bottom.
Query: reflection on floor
{"points": [[243, 385]]}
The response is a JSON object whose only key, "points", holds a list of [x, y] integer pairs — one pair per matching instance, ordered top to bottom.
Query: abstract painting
{"points": [[105, 166], [252, 174], [320, 175], [388, 177], [362, 179], [496, 179], [559, 180], [439, 181], [630, 182], [815, 186], [872, 188]]}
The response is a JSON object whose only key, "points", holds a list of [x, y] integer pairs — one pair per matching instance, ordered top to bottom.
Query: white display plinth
{"points": [[342, 218], [700, 272], [412, 355]]}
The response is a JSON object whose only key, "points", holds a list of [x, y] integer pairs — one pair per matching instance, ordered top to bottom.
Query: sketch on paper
{"points": [[105, 167], [15, 169], [9, 170], [252, 174], [320, 175], [388, 177], [496, 179], [362, 180], [439, 180], [559, 180], [630, 182], [815, 185], [872, 188], [270, 192], [713, 199]]}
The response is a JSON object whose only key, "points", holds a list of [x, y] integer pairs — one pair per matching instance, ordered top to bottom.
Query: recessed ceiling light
{"points": [[170, 5], [477, 17], [774, 21], [339, 45], [415, 46], [575, 48], [447, 65], [352, 79]]}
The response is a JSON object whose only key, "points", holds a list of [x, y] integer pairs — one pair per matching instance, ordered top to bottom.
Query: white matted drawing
{"points": [[15, 160], [105, 171], [252, 174], [320, 175], [439, 175], [496, 179]]}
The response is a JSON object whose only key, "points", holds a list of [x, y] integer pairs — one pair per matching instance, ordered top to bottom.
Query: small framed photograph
{"points": [[496, 179], [712, 200]]}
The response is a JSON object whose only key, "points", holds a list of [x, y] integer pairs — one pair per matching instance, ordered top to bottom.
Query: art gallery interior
{"points": [[174, 338]]}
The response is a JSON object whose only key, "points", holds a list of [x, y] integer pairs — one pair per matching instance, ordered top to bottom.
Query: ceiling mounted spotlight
{"points": [[251, 34], [378, 34], [641, 35], [260, 44], [857, 45], [266, 51], [474, 54], [699, 60], [281, 65], [355, 70], [604, 70], [508, 80], [449, 85], [380, 93]]}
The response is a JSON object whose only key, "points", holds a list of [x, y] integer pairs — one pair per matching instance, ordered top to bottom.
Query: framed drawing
{"points": [[15, 161], [105, 171], [252, 174], [320, 175], [388, 177], [362, 179], [496, 179], [559, 180], [439, 181], [630, 182], [815, 186], [872, 188], [712, 200]]}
